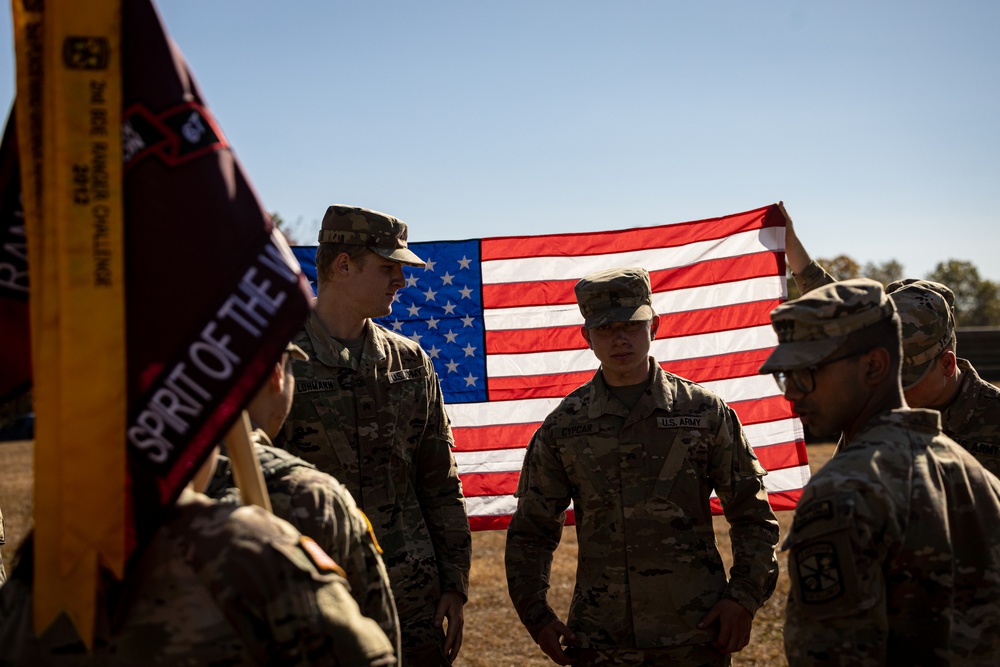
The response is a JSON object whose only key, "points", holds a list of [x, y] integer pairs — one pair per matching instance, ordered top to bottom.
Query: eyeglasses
{"points": [[804, 379]]}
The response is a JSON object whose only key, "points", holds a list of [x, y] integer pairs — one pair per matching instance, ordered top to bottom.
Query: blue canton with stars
{"points": [[441, 309]]}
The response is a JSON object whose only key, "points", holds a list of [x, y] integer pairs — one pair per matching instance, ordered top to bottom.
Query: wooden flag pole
{"points": [[246, 466]]}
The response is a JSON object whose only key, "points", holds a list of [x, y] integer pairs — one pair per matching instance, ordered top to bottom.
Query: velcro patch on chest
{"points": [[405, 374], [308, 386], [680, 421], [575, 430], [979, 448], [320, 558]]}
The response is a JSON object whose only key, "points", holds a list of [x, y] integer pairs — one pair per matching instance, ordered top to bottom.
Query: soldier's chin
{"points": [[818, 434]]}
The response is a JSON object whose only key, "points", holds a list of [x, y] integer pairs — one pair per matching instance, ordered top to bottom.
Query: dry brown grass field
{"points": [[493, 635]]}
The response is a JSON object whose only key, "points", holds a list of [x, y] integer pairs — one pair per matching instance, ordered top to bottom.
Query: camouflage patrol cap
{"points": [[382, 234], [943, 290], [615, 295], [813, 326], [928, 327]]}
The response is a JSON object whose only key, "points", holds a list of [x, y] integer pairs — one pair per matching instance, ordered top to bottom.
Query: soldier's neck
{"points": [[338, 320], [954, 385]]}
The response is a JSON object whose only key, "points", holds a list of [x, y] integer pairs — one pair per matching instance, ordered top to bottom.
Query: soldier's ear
{"points": [[342, 263], [654, 325], [586, 337], [949, 362], [877, 365], [277, 378]]}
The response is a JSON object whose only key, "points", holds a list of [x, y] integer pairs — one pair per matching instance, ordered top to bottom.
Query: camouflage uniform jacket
{"points": [[973, 418], [380, 428], [640, 482], [319, 506], [895, 554], [218, 585]]}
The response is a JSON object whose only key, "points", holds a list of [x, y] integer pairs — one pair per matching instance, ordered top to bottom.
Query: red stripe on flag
{"points": [[601, 243], [717, 271], [699, 274], [672, 325], [718, 367], [701, 369], [536, 386], [762, 410], [509, 436], [485, 438], [785, 455], [772, 458], [489, 484], [780, 501], [489, 522], [500, 522]]}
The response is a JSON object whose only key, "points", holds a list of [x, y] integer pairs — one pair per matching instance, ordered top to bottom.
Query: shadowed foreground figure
{"points": [[933, 375], [639, 451], [315, 503], [894, 553], [218, 585]]}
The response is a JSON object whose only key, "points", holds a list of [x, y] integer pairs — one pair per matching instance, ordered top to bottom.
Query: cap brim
{"points": [[401, 255], [625, 314], [296, 352], [801, 354], [911, 376]]}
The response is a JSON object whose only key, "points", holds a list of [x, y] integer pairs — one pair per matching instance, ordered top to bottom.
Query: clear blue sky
{"points": [[878, 123]]}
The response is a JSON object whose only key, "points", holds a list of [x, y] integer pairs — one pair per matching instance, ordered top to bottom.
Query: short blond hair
{"points": [[327, 252]]}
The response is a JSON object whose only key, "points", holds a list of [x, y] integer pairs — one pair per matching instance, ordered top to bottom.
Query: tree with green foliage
{"points": [[284, 228], [885, 273], [977, 300]]}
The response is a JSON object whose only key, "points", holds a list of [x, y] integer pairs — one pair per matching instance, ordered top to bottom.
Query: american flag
{"points": [[499, 318]]}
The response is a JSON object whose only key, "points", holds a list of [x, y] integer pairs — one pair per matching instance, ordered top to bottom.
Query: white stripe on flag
{"points": [[535, 269], [675, 301], [686, 347], [534, 410], [509, 460], [789, 479]]}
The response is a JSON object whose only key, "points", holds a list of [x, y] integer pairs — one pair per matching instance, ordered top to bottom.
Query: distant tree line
{"points": [[291, 230], [977, 300]]}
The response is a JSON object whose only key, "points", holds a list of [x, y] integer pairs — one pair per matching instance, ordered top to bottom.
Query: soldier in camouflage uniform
{"points": [[933, 375], [368, 409], [639, 451], [315, 503], [894, 552], [218, 585]]}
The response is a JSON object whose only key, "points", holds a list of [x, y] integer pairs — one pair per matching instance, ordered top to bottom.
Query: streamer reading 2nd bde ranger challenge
{"points": [[160, 293]]}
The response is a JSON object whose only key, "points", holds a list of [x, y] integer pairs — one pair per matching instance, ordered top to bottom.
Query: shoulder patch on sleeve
{"points": [[319, 558], [820, 574], [827, 578]]}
